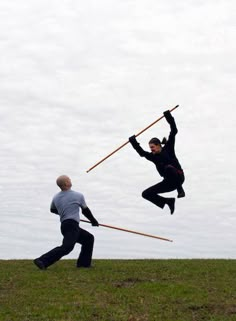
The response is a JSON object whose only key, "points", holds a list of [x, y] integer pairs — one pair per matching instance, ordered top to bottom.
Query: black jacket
{"points": [[167, 155]]}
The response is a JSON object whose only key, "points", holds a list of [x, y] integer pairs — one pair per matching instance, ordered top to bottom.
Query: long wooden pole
{"points": [[116, 150], [131, 231]]}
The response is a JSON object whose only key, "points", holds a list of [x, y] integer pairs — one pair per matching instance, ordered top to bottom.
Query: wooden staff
{"points": [[116, 150], [130, 231]]}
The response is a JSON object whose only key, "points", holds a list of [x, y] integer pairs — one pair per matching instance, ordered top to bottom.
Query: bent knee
{"points": [[145, 194], [91, 239], [67, 249]]}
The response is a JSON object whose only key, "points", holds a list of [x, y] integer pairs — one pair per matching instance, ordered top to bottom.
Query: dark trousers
{"points": [[172, 180], [72, 234]]}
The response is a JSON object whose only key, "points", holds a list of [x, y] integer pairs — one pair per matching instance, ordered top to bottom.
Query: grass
{"points": [[127, 290]]}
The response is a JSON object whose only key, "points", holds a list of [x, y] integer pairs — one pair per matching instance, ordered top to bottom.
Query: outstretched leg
{"points": [[70, 231]]}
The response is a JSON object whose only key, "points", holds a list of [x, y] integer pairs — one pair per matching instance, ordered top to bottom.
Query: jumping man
{"points": [[167, 166]]}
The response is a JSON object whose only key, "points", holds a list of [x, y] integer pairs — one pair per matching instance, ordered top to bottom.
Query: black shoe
{"points": [[181, 194], [171, 203], [39, 264], [84, 267]]}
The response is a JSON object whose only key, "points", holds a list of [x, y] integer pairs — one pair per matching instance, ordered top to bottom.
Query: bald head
{"points": [[64, 182]]}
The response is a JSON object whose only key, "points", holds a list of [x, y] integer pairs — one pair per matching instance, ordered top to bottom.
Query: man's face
{"points": [[155, 149]]}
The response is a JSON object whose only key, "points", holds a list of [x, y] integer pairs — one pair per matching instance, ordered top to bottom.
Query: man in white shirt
{"points": [[67, 204]]}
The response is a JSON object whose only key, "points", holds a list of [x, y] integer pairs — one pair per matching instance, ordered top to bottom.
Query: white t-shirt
{"points": [[68, 204]]}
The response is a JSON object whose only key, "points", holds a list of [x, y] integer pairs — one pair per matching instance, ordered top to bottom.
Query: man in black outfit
{"points": [[167, 166], [67, 204]]}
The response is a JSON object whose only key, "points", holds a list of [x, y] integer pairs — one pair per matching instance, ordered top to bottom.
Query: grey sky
{"points": [[77, 79]]}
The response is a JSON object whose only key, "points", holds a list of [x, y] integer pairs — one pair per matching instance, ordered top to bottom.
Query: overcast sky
{"points": [[77, 79]]}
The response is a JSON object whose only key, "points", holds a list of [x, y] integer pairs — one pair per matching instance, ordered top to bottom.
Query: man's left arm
{"points": [[88, 214]]}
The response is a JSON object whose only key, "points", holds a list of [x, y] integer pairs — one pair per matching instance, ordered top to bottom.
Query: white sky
{"points": [[77, 79]]}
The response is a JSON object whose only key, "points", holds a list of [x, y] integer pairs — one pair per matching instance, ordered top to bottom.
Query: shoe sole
{"points": [[39, 264]]}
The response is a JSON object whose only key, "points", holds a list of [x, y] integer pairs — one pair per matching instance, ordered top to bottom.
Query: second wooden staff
{"points": [[131, 231]]}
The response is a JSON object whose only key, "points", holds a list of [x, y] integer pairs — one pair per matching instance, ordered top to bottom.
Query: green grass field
{"points": [[127, 290]]}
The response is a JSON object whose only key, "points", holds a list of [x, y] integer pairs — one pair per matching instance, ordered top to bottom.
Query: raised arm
{"points": [[170, 119], [173, 129], [139, 149]]}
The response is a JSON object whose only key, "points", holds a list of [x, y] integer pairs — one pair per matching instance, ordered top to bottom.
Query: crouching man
{"points": [[67, 204]]}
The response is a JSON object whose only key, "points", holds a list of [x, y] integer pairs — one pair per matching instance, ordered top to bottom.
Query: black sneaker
{"points": [[181, 194], [171, 203], [39, 264], [84, 267]]}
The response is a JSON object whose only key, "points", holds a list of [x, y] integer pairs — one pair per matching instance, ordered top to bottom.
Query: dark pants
{"points": [[172, 180], [72, 234]]}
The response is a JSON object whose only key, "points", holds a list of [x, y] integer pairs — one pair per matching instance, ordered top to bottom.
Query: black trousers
{"points": [[172, 180], [72, 234]]}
